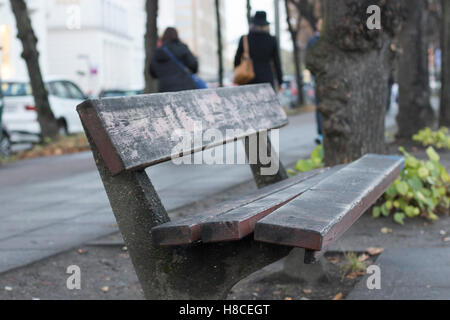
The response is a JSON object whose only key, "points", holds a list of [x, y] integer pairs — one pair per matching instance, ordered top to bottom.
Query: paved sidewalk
{"points": [[49, 205], [412, 274]]}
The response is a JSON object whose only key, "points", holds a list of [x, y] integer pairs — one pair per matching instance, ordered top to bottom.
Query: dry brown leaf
{"points": [[386, 230], [374, 251], [363, 257], [333, 260], [354, 275], [339, 296], [288, 298]]}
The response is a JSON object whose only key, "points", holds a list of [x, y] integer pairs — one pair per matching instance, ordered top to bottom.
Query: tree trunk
{"points": [[249, 12], [151, 41], [219, 43], [296, 52], [351, 64], [415, 111], [444, 117], [46, 118]]}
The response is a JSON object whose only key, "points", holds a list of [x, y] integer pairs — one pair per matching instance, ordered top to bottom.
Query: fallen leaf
{"points": [[386, 230], [446, 239], [374, 251], [363, 257], [333, 260], [354, 275], [105, 289], [307, 291], [339, 296], [288, 298]]}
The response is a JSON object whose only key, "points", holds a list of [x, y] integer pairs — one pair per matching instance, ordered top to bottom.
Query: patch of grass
{"points": [[63, 145], [353, 264]]}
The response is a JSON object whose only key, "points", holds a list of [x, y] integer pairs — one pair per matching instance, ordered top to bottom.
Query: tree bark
{"points": [[151, 42], [219, 43], [296, 52], [351, 65], [415, 111], [444, 116], [46, 118]]}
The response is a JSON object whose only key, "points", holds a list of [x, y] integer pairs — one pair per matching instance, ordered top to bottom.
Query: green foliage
{"points": [[438, 139], [314, 162], [421, 190], [353, 263]]}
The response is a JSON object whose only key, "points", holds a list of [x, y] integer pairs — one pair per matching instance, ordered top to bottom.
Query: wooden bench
{"points": [[203, 256]]}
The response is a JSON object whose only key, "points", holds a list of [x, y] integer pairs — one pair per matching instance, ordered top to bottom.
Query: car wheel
{"points": [[62, 128], [5, 146]]}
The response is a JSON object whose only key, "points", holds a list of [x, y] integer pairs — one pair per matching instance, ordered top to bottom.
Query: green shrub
{"points": [[438, 139], [314, 162], [421, 190]]}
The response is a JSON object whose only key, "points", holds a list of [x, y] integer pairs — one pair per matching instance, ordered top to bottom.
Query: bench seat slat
{"points": [[321, 215], [238, 223], [188, 230]]}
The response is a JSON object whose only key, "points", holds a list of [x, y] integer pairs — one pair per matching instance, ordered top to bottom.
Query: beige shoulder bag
{"points": [[244, 72]]}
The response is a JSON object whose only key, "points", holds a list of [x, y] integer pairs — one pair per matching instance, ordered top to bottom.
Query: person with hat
{"points": [[263, 50]]}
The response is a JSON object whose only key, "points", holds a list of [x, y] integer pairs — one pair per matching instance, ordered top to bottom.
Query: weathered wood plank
{"points": [[142, 130], [321, 215], [240, 222], [187, 230]]}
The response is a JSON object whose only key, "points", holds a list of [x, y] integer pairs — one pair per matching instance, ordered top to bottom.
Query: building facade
{"points": [[196, 23], [99, 44]]}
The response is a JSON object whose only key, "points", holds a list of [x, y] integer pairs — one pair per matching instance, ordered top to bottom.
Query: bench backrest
{"points": [[132, 133]]}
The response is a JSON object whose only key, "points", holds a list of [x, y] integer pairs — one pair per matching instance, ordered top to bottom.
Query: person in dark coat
{"points": [[263, 51], [170, 75]]}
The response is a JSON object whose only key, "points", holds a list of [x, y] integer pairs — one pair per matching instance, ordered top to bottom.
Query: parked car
{"points": [[119, 93], [20, 114], [5, 142]]}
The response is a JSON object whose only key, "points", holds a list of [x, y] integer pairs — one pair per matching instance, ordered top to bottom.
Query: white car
{"points": [[20, 117], [5, 143]]}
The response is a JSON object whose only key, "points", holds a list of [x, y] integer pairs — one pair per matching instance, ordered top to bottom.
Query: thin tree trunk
{"points": [[249, 12], [151, 41], [219, 43], [296, 52], [351, 64], [415, 111], [444, 117], [46, 118]]}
